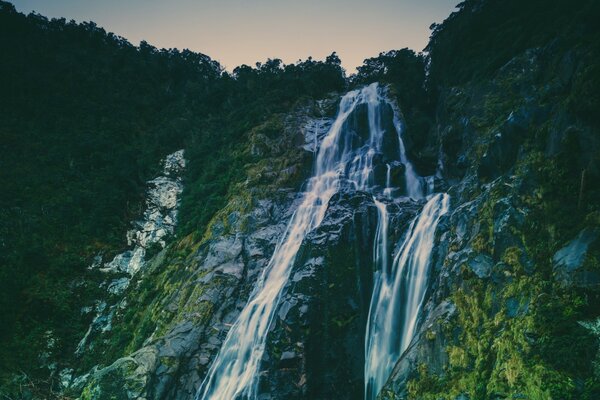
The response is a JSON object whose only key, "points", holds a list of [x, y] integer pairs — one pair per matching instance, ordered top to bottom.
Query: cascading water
{"points": [[344, 156], [414, 183], [398, 292]]}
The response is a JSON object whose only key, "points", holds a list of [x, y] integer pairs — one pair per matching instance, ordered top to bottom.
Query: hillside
{"points": [[480, 155]]}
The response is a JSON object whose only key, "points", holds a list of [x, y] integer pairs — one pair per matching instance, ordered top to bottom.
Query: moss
{"points": [[481, 243], [168, 292], [343, 321], [430, 334], [517, 336], [535, 350], [497, 355], [170, 362], [110, 385], [424, 387], [90, 392]]}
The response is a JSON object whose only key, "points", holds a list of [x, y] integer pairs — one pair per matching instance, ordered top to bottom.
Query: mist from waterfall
{"points": [[344, 158]]}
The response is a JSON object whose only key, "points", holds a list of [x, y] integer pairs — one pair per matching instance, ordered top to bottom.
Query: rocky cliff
{"points": [[514, 283], [512, 296], [515, 297]]}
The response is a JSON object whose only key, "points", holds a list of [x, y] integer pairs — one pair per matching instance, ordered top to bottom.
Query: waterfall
{"points": [[344, 157], [414, 183], [398, 292]]}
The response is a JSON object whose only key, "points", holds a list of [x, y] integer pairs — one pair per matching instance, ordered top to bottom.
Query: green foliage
{"points": [[483, 35], [85, 118], [218, 149], [536, 347], [539, 351], [498, 355]]}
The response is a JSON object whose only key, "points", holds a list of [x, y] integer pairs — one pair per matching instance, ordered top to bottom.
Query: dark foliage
{"points": [[483, 35], [404, 71], [85, 118]]}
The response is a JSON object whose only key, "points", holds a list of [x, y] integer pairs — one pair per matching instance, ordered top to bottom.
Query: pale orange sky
{"points": [[236, 32]]}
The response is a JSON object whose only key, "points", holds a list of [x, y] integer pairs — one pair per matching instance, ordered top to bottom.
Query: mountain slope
{"points": [[502, 109]]}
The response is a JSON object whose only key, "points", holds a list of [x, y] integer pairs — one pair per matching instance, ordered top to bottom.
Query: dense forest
{"points": [[86, 117]]}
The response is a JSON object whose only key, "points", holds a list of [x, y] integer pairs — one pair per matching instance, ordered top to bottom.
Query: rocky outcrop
{"points": [[150, 233], [513, 260], [569, 261], [505, 268], [211, 286], [181, 305], [312, 350]]}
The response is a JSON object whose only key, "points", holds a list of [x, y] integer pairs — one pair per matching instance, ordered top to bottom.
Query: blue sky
{"points": [[238, 32]]}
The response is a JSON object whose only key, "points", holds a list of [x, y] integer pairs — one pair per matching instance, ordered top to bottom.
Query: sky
{"points": [[236, 32]]}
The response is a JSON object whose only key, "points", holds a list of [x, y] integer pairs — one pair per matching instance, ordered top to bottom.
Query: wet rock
{"points": [[357, 124], [314, 131], [504, 147], [425, 160], [392, 171], [380, 172], [397, 177], [436, 184], [507, 219], [462, 220], [573, 254], [569, 261], [481, 265], [287, 305], [516, 306], [324, 309], [323, 313], [428, 346], [288, 359]]}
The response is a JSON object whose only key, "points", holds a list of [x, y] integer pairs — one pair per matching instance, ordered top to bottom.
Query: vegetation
{"points": [[483, 35], [404, 72], [85, 118], [519, 334]]}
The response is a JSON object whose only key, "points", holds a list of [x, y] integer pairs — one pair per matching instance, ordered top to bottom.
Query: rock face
{"points": [[158, 221], [151, 231], [569, 260], [505, 269], [513, 277], [190, 293], [324, 308], [312, 351], [170, 364]]}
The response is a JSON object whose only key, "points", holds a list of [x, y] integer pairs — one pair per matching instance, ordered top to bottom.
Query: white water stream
{"points": [[342, 157], [398, 292]]}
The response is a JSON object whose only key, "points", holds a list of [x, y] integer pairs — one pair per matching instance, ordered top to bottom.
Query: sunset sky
{"points": [[236, 32]]}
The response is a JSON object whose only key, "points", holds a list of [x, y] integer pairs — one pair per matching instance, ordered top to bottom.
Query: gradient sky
{"points": [[236, 32]]}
